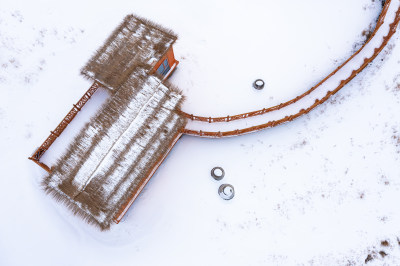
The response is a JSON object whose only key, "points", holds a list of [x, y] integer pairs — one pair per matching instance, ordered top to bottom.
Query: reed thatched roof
{"points": [[135, 42], [117, 149], [116, 152]]}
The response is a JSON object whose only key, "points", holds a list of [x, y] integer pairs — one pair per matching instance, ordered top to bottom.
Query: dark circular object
{"points": [[258, 84], [217, 173], [226, 191]]}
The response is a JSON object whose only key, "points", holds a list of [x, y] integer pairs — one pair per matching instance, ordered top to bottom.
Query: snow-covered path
{"points": [[385, 28]]}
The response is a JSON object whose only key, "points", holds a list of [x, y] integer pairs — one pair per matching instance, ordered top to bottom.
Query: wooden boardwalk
{"points": [[230, 118], [61, 127], [218, 133]]}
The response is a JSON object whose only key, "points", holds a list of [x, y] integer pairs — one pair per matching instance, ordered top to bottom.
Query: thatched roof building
{"points": [[135, 42], [115, 154]]}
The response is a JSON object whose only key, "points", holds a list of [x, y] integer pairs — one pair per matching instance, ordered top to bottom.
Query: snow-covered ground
{"points": [[319, 92], [322, 190]]}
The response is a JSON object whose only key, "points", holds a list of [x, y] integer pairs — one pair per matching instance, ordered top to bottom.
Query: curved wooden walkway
{"points": [[200, 126]]}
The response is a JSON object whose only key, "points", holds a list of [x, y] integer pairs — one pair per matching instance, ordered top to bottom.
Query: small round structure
{"points": [[258, 84], [217, 173], [226, 191]]}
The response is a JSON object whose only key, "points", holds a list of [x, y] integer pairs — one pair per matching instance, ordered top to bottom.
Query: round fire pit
{"points": [[258, 84], [217, 173], [226, 191]]}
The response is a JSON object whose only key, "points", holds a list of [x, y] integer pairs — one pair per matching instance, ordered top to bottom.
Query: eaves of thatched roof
{"points": [[134, 43], [114, 153]]}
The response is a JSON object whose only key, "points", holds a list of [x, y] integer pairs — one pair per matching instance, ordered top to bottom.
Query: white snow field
{"points": [[321, 91], [321, 190]]}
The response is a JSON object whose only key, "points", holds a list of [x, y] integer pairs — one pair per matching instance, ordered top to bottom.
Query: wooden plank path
{"points": [[272, 123], [61, 126], [241, 131]]}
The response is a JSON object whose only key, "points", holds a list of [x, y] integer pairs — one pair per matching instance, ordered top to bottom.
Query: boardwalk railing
{"points": [[228, 118], [60, 128], [237, 132]]}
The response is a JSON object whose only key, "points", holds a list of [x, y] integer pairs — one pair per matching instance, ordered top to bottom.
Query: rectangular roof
{"points": [[135, 42], [116, 151]]}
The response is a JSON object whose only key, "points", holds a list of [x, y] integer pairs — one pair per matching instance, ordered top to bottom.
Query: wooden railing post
{"points": [[62, 125]]}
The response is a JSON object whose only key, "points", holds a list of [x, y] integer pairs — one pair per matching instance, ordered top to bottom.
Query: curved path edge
{"points": [[273, 123]]}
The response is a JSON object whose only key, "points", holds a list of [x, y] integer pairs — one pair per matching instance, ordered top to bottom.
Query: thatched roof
{"points": [[133, 43], [117, 149]]}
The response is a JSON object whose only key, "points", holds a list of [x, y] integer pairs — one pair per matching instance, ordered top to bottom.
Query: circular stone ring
{"points": [[258, 84], [217, 173], [226, 191]]}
